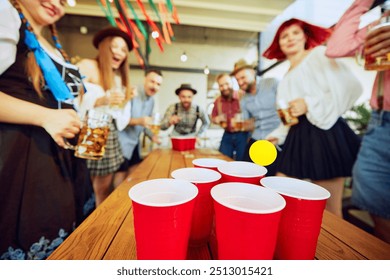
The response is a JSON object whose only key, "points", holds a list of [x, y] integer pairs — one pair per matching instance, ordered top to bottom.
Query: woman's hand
{"points": [[116, 98], [102, 101], [298, 107], [60, 124], [273, 140]]}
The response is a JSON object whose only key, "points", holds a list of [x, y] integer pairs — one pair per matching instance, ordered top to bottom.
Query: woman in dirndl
{"points": [[321, 147]]}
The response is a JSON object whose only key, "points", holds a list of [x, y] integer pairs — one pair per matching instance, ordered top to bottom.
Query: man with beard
{"points": [[259, 102], [142, 106], [226, 106], [184, 115]]}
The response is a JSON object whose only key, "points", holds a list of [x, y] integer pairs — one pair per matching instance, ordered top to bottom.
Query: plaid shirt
{"points": [[188, 119]]}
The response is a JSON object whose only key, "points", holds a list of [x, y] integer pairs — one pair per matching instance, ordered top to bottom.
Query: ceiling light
{"points": [[71, 3], [83, 30], [155, 34], [183, 57], [206, 70]]}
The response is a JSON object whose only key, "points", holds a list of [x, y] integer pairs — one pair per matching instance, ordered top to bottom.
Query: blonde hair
{"points": [[106, 74]]}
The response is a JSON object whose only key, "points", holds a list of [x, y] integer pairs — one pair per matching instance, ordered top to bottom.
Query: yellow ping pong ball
{"points": [[263, 152]]}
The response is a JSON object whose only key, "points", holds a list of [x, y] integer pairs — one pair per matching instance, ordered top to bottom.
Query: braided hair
{"points": [[32, 68]]}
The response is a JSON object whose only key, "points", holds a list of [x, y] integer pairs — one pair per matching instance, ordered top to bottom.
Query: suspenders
{"points": [[197, 116]]}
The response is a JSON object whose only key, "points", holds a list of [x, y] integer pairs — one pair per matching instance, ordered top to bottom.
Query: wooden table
{"points": [[108, 233]]}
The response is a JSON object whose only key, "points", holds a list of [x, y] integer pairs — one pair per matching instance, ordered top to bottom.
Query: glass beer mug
{"points": [[381, 63], [284, 113], [155, 124], [93, 135]]}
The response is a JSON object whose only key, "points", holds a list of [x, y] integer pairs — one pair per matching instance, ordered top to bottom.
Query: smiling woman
{"points": [[105, 74], [310, 151], [44, 190]]}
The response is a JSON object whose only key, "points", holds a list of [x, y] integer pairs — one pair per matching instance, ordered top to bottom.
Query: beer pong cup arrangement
{"points": [[183, 143], [210, 163], [242, 171], [162, 210], [202, 217], [247, 218], [301, 220]]}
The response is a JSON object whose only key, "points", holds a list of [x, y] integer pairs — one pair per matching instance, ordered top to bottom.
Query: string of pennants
{"points": [[129, 22]]}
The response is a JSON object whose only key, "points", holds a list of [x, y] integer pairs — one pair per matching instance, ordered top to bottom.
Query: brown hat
{"points": [[112, 32], [241, 64], [185, 86]]}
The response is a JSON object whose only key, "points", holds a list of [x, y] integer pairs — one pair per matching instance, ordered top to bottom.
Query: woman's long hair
{"points": [[32, 68], [106, 73]]}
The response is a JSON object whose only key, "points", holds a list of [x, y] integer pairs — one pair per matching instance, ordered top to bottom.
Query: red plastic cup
{"points": [[183, 143], [210, 163], [242, 171], [162, 210], [202, 217], [247, 219], [301, 220]]}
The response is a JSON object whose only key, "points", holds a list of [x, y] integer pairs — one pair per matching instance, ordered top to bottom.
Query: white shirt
{"points": [[9, 34], [328, 87], [93, 92]]}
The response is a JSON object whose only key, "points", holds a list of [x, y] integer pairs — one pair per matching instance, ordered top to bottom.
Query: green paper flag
{"points": [[107, 11], [137, 20]]}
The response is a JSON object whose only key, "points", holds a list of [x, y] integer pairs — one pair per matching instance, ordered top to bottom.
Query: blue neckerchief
{"points": [[50, 72]]}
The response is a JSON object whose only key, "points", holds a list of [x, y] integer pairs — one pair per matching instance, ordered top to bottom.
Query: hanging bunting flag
{"points": [[151, 3], [169, 5], [107, 11], [164, 11], [173, 11], [175, 15], [137, 20], [125, 21], [164, 23], [133, 26], [122, 27], [136, 29], [159, 39], [140, 58]]}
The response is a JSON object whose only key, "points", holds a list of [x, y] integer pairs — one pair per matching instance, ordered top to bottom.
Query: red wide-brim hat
{"points": [[316, 36]]}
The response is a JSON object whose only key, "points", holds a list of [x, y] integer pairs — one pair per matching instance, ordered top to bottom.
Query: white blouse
{"points": [[9, 35], [327, 85], [93, 92]]}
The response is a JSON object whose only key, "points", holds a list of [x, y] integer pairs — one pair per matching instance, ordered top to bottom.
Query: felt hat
{"points": [[112, 32], [315, 35], [241, 64], [185, 86]]}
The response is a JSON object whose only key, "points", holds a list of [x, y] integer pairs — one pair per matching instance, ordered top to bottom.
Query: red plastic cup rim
{"points": [[183, 138], [208, 162], [242, 169], [196, 175], [295, 188], [163, 192], [248, 198]]}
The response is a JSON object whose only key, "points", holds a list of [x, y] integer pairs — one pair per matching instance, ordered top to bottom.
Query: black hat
{"points": [[112, 31], [185, 86]]}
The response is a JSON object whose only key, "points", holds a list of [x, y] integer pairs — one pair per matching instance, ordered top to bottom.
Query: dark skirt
{"points": [[317, 154], [45, 192]]}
